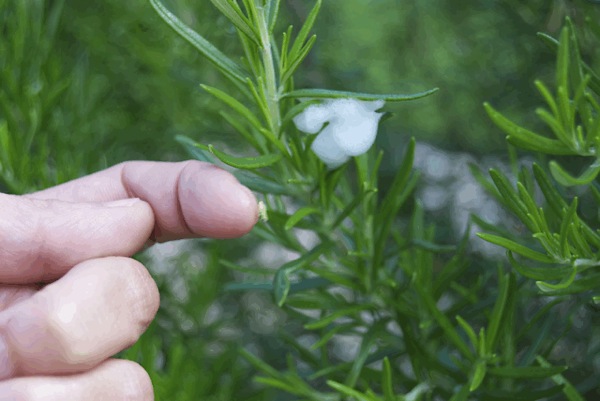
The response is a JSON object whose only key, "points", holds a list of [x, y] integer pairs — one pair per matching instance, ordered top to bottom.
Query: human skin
{"points": [[71, 297]]}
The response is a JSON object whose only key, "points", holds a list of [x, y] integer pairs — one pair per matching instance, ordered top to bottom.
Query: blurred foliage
{"points": [[85, 85]]}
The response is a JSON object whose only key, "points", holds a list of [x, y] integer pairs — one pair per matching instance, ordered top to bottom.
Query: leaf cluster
{"points": [[563, 245]]}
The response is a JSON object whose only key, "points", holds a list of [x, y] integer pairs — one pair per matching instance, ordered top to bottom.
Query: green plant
{"points": [[39, 102], [566, 245], [376, 303], [425, 325]]}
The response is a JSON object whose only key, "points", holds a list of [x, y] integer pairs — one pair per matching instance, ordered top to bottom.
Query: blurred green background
{"points": [[87, 84], [131, 84]]}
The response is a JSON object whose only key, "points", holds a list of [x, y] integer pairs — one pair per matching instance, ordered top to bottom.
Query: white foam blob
{"points": [[351, 130]]}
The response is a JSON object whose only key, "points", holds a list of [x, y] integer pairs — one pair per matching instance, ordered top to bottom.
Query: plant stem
{"points": [[269, 67]]}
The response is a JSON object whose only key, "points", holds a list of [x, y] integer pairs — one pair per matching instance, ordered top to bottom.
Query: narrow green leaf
{"points": [[272, 13], [237, 18], [305, 30], [285, 43], [553, 44], [220, 60], [562, 62], [295, 63], [332, 94], [547, 96], [235, 105], [553, 123], [241, 129], [526, 139], [190, 146], [246, 163], [566, 179], [483, 181], [260, 184], [553, 197], [511, 198], [527, 199], [392, 201], [350, 207], [299, 215], [567, 219], [579, 242], [431, 247], [515, 247], [545, 273], [344, 280], [281, 281], [564, 283], [589, 283], [507, 284], [281, 286], [327, 320], [444, 322], [468, 331], [324, 338], [368, 340], [482, 350], [259, 364], [526, 372], [478, 375], [387, 381], [279, 383], [569, 390], [349, 391], [462, 394], [520, 394]]}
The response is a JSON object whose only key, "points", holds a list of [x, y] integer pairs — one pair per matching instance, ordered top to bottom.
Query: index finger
{"points": [[189, 199]]}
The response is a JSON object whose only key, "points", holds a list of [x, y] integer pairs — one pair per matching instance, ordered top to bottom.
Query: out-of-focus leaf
{"points": [[595, 78], [526, 139], [190, 146], [246, 163], [566, 179], [260, 184], [299, 215], [515, 247], [541, 273], [281, 281], [565, 283], [507, 286], [323, 322], [526, 372], [478, 375], [387, 382], [569, 390], [349, 391]]}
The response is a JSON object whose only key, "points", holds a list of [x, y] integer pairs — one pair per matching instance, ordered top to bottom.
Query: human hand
{"points": [[70, 295]]}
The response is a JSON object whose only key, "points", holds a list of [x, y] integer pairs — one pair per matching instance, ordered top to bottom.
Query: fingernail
{"points": [[123, 202]]}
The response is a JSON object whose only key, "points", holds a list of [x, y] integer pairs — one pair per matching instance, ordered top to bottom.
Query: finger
{"points": [[189, 199], [41, 239], [97, 309], [114, 379]]}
